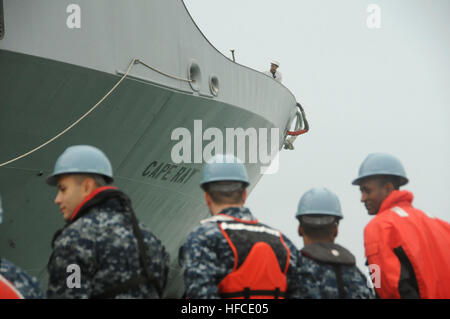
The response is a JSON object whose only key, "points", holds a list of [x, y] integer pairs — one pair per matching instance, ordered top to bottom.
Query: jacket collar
{"points": [[94, 193], [396, 198], [240, 213], [329, 253]]}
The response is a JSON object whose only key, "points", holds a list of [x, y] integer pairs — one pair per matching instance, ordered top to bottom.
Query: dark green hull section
{"points": [[40, 97]]}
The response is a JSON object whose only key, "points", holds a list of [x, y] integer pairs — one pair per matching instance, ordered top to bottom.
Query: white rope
{"points": [[134, 61], [161, 72]]}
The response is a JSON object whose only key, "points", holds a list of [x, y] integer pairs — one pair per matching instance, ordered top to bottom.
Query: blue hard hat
{"points": [[81, 159], [381, 164], [224, 168], [319, 201]]}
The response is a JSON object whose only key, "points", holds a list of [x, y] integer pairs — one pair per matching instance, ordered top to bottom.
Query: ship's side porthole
{"points": [[195, 76], [214, 85]]}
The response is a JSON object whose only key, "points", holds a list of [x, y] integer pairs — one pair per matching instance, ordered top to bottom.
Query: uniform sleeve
{"points": [[380, 240], [159, 259], [165, 267], [201, 267], [70, 268], [293, 276], [308, 281], [359, 283]]}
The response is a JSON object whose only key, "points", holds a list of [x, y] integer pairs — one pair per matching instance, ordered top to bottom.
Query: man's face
{"points": [[273, 68], [70, 194], [373, 194]]}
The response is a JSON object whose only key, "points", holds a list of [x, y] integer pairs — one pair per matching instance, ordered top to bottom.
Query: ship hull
{"points": [[41, 97]]}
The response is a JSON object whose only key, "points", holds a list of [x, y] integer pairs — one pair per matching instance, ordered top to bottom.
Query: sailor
{"points": [[273, 72], [410, 248], [102, 251], [231, 254], [329, 270], [14, 282]]}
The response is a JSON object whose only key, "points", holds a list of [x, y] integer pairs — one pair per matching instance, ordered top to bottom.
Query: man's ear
{"points": [[88, 185], [388, 188], [244, 196], [208, 199], [300, 230], [335, 231]]}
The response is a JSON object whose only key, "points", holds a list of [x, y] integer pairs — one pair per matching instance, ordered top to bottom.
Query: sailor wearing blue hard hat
{"points": [[379, 168], [78, 171], [224, 175], [410, 248], [232, 255], [116, 256], [328, 270]]}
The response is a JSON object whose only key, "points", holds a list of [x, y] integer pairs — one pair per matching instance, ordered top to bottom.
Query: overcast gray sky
{"points": [[364, 90]]}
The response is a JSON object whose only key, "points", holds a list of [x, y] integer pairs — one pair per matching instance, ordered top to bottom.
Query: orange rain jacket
{"points": [[410, 249], [7, 290]]}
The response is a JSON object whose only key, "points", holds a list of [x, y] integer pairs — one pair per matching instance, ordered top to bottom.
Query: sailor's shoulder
{"points": [[216, 219], [207, 233]]}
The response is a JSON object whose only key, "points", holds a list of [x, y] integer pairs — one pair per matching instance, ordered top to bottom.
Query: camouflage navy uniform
{"points": [[102, 243], [206, 258], [318, 273], [28, 286]]}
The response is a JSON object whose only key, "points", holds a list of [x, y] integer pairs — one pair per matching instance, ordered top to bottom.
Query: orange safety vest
{"points": [[407, 246], [261, 261], [7, 290]]}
